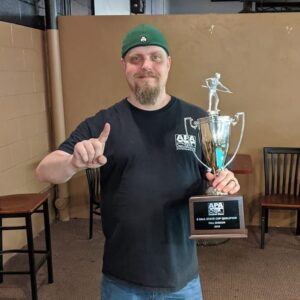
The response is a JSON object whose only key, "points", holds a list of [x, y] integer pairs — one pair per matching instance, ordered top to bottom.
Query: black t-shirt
{"points": [[145, 186]]}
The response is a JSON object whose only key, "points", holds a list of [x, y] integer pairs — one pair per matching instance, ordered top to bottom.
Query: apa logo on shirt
{"points": [[185, 142]]}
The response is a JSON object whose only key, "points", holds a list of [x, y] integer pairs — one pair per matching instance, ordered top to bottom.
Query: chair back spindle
{"points": [[281, 168]]}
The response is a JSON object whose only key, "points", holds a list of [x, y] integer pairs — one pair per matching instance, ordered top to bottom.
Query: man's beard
{"points": [[147, 95]]}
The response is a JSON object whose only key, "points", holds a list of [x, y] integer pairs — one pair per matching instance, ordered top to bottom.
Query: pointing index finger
{"points": [[105, 133]]}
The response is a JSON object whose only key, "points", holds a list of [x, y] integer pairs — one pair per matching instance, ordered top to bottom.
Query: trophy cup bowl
{"points": [[214, 133], [214, 136]]}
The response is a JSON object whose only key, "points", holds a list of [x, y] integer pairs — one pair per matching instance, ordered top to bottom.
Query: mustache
{"points": [[146, 74]]}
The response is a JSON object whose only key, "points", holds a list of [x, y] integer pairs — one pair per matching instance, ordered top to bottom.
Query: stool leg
{"points": [[91, 219], [266, 220], [298, 222], [262, 228], [48, 242], [1, 249], [31, 257]]}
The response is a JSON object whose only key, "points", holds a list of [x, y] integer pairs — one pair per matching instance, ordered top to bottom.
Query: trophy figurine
{"points": [[216, 215]]}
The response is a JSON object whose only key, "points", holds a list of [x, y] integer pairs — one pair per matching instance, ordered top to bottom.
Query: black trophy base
{"points": [[217, 217]]}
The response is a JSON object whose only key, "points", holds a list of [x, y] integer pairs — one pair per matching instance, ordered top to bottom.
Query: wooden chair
{"points": [[281, 168], [93, 179], [24, 206]]}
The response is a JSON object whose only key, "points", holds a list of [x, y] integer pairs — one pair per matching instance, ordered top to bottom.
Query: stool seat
{"points": [[21, 203], [24, 206]]}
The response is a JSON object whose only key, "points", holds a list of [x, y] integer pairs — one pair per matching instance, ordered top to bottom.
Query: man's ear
{"points": [[170, 62], [123, 64]]}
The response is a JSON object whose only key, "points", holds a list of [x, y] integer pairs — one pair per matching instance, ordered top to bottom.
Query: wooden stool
{"points": [[23, 206]]}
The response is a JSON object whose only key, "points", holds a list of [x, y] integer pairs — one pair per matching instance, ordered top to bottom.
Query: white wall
{"points": [[112, 7]]}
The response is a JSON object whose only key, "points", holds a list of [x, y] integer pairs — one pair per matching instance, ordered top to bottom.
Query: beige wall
{"points": [[257, 55], [24, 133]]}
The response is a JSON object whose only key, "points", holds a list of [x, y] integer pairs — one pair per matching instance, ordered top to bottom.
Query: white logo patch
{"points": [[143, 39], [185, 142], [216, 209]]}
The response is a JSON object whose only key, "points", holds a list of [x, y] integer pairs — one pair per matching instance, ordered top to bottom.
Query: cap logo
{"points": [[143, 39]]}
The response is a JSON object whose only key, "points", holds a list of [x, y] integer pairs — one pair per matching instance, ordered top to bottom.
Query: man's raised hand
{"points": [[89, 153]]}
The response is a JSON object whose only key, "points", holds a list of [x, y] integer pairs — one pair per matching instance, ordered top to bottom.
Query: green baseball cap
{"points": [[143, 35]]}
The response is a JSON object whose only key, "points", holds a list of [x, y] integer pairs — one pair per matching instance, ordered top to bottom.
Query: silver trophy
{"points": [[214, 132], [216, 215]]}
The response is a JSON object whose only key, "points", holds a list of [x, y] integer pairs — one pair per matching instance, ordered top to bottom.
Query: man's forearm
{"points": [[56, 167]]}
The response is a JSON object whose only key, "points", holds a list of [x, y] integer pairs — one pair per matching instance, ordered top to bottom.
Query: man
{"points": [[147, 177]]}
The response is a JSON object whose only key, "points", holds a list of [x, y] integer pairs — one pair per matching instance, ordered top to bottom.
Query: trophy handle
{"points": [[234, 121], [194, 125]]}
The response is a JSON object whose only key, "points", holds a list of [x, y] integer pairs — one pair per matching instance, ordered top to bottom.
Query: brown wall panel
{"points": [[256, 54], [24, 130]]}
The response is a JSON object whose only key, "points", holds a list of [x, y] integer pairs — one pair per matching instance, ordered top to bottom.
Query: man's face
{"points": [[146, 71]]}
